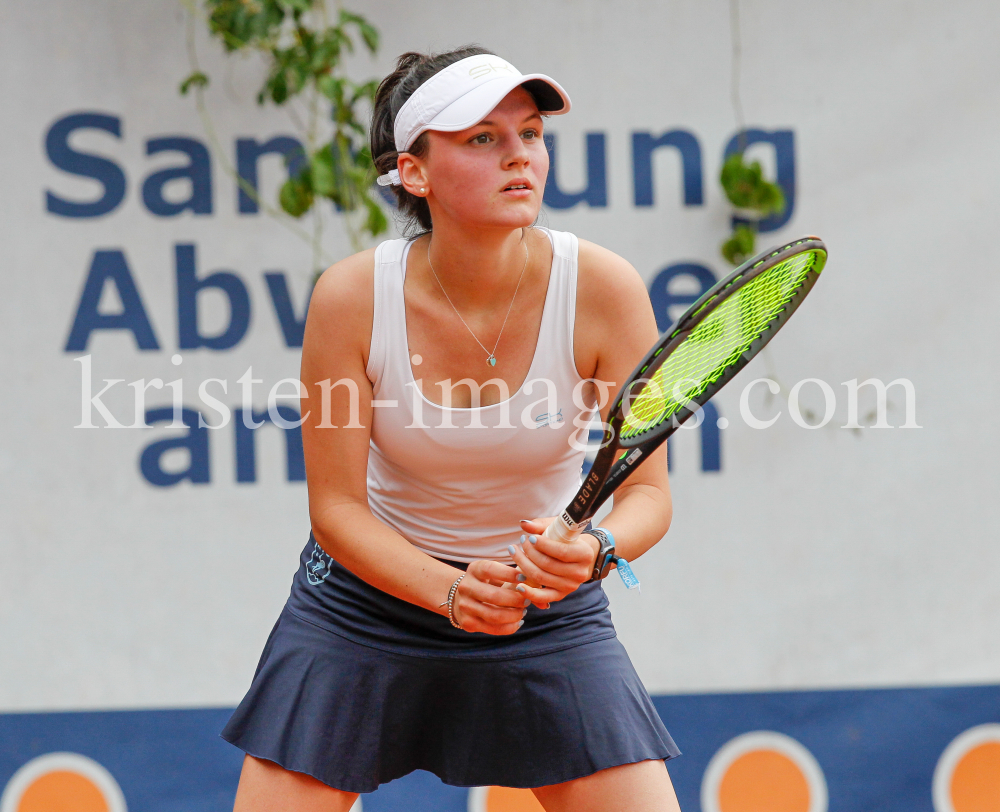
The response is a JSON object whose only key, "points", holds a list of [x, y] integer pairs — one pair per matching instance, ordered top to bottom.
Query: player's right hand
{"points": [[485, 601]]}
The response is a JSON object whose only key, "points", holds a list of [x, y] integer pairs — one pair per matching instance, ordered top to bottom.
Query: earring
{"points": [[422, 190]]}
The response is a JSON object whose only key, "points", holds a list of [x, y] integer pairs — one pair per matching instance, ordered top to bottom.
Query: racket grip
{"points": [[561, 531]]}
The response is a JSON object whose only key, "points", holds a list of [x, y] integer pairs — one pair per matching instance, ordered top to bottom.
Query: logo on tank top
{"points": [[549, 419], [318, 566]]}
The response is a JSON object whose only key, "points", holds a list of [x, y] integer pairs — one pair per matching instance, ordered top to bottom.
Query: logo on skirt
{"points": [[318, 567]]}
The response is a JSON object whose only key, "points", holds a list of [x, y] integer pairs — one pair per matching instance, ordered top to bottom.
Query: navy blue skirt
{"points": [[356, 688]]}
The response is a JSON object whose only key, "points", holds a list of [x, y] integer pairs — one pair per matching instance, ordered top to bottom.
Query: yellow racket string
{"points": [[717, 343]]}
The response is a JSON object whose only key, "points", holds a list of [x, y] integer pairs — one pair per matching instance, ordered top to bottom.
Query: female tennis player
{"points": [[448, 382]]}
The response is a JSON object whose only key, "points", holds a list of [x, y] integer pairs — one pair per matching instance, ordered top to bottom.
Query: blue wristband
{"points": [[608, 533], [626, 574]]}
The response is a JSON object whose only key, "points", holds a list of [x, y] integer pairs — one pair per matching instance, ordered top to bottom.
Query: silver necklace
{"points": [[491, 358]]}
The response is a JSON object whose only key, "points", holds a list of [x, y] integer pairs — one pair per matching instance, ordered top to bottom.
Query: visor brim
{"points": [[475, 105]]}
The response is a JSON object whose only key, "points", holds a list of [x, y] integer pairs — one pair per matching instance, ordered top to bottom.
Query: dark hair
{"points": [[412, 70]]}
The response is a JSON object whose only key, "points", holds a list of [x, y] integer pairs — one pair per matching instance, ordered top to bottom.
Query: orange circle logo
{"points": [[763, 771], [967, 776], [62, 782], [503, 799]]}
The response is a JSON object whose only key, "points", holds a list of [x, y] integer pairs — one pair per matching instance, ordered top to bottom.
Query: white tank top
{"points": [[456, 481]]}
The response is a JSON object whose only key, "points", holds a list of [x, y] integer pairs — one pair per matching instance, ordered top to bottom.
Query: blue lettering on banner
{"points": [[783, 142], [643, 147], [249, 151], [84, 164], [198, 173], [595, 191], [110, 266], [189, 286], [663, 300], [292, 327], [711, 440], [194, 441], [711, 445], [246, 447], [875, 748]]}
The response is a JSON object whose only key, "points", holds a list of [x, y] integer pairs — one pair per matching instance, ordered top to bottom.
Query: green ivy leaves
{"points": [[304, 54], [196, 79], [338, 173], [746, 187], [754, 197], [740, 246]]}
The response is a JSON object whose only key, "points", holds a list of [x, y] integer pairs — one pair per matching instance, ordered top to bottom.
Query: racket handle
{"points": [[560, 530]]}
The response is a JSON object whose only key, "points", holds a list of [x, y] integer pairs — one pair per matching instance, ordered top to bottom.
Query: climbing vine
{"points": [[304, 48], [754, 198]]}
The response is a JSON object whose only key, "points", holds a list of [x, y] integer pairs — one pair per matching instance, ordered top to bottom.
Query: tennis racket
{"points": [[704, 349]]}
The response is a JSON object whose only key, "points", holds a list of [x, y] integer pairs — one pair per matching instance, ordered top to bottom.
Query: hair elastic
{"points": [[390, 178]]}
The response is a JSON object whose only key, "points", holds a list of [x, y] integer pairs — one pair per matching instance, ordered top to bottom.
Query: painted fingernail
{"points": [[523, 538], [533, 539], [510, 549], [521, 577], [520, 588], [527, 602], [524, 613], [520, 623]]}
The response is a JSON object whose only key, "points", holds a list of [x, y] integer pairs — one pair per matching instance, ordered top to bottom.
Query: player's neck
{"points": [[475, 266]]}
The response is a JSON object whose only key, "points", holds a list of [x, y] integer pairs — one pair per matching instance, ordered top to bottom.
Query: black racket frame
{"points": [[610, 469]]}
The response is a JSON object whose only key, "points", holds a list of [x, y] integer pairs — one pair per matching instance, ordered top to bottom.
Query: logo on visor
{"points": [[486, 68]]}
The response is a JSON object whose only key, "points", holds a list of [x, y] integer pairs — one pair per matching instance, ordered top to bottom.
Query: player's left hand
{"points": [[551, 569]]}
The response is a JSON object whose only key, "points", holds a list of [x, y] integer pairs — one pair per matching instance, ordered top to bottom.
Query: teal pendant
{"points": [[491, 361]]}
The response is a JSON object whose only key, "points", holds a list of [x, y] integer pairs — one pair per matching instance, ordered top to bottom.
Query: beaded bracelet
{"points": [[451, 602]]}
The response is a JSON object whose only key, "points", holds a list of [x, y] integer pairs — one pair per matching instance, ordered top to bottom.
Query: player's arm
{"points": [[616, 304], [615, 327], [337, 408]]}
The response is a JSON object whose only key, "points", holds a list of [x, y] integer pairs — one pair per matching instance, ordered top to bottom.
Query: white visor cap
{"points": [[463, 94]]}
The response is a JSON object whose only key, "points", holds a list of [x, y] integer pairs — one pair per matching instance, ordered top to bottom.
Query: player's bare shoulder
{"points": [[609, 289], [341, 308], [614, 318]]}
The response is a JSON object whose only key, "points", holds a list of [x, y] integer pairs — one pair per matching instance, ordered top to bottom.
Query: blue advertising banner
{"points": [[892, 750]]}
